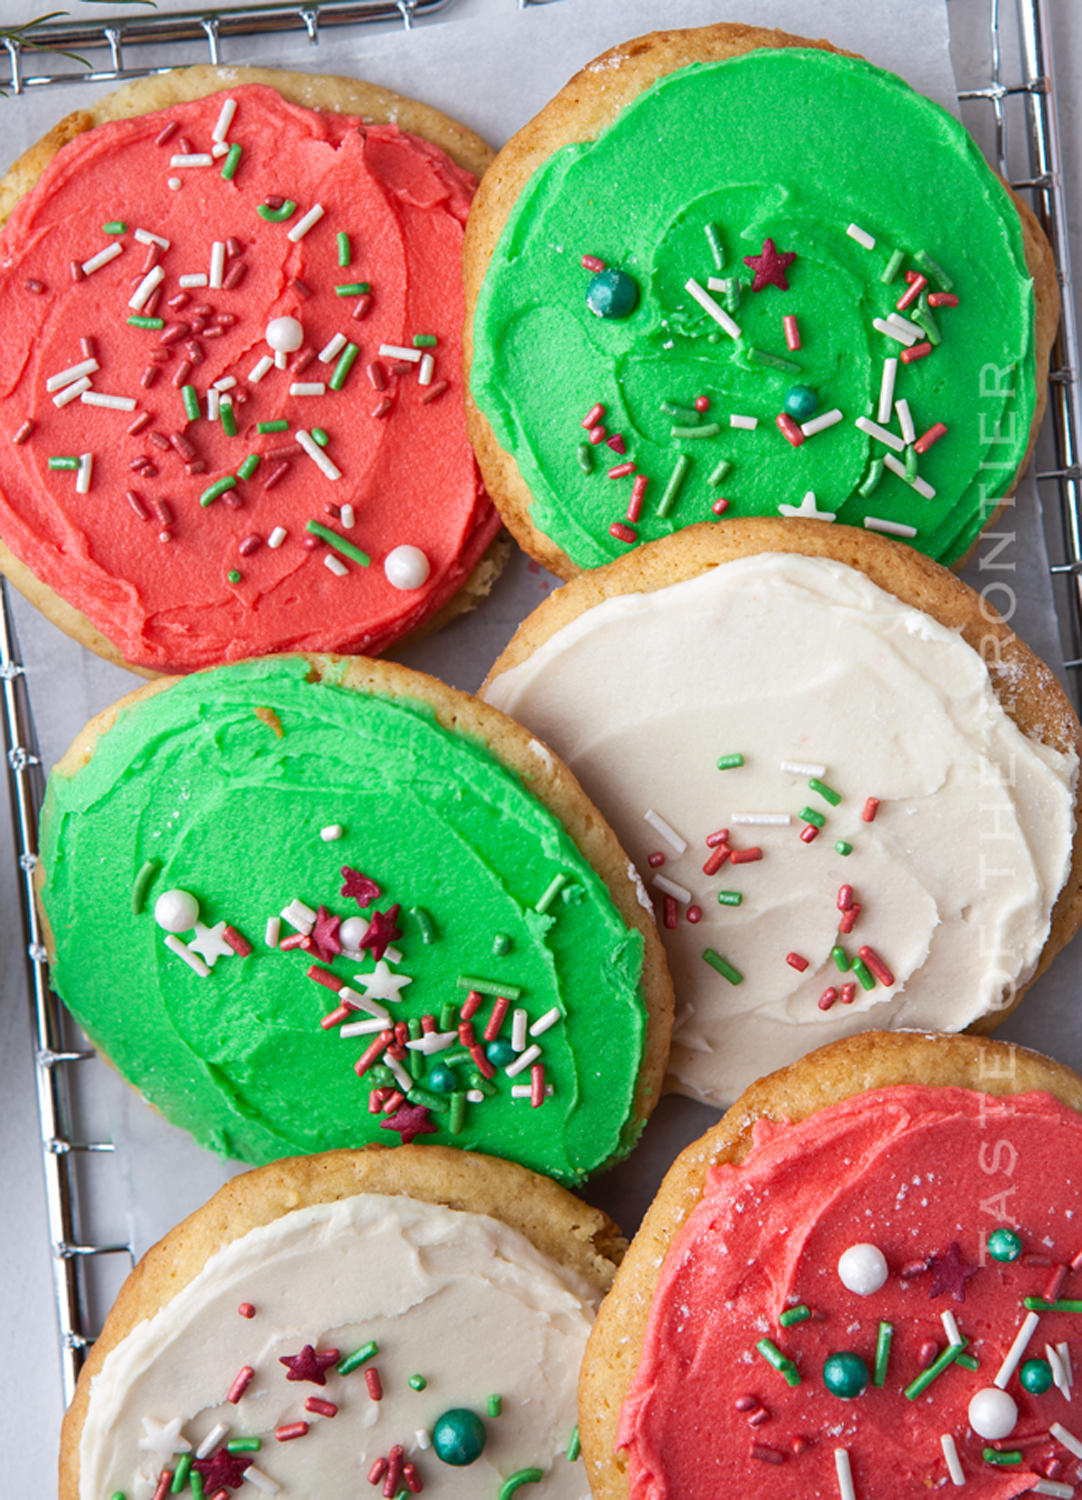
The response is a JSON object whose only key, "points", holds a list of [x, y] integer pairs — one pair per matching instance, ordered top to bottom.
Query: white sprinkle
{"points": [[225, 119], [219, 149], [196, 159], [174, 183], [301, 228], [861, 236], [145, 237], [102, 258], [217, 264], [154, 277], [197, 278], [708, 305], [905, 326], [892, 331], [335, 347], [399, 351], [281, 359], [260, 368], [424, 374], [58, 381], [226, 383], [307, 388], [886, 388], [73, 391], [214, 399], [114, 403], [905, 421], [749, 423], [820, 424], [881, 434], [317, 455], [82, 478], [921, 486], [347, 517], [892, 528], [277, 537], [335, 565], [802, 768], [762, 820], [666, 830], [331, 832], [671, 888], [300, 917], [273, 928], [182, 950], [362, 1002], [543, 1023], [362, 1028], [518, 1030], [434, 1041], [520, 1064], [402, 1078], [524, 1090], [475, 1096], [950, 1327], [1065, 1355], [1059, 1374], [421, 1434], [212, 1439], [1068, 1439], [954, 1463], [845, 1474], [261, 1481], [1050, 1487]]}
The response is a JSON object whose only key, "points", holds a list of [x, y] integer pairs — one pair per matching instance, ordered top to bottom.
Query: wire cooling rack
{"points": [[1024, 106]]}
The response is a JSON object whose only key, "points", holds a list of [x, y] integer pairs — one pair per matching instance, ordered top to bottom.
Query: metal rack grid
{"points": [[54, 1058]]}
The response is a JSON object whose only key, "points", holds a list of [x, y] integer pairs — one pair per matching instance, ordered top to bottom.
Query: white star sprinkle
{"points": [[808, 509], [208, 942], [382, 984], [163, 1439]]}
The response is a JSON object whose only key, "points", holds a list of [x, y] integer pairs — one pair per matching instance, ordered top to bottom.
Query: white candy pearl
{"points": [[284, 335], [406, 567], [176, 911], [352, 931], [863, 1269], [993, 1414]]}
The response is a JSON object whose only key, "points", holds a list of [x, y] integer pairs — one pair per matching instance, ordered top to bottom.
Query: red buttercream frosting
{"points": [[158, 583], [912, 1171]]}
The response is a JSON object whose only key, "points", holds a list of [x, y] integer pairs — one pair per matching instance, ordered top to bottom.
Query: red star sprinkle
{"points": [[770, 267], [363, 890], [382, 931], [325, 934], [409, 1120], [950, 1273], [308, 1365], [224, 1468]]}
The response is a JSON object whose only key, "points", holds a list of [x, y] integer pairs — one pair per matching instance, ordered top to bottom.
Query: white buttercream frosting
{"points": [[785, 658], [458, 1298]]}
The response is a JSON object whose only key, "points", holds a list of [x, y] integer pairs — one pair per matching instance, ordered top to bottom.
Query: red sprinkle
{"points": [[165, 133], [592, 263], [77, 272], [234, 276], [912, 292], [942, 299], [363, 304], [792, 331], [918, 351], [301, 360], [377, 376], [433, 391], [702, 403], [383, 408], [593, 416], [144, 419], [790, 430], [23, 433], [597, 435], [932, 436], [616, 443], [619, 471], [275, 475], [638, 494], [137, 505], [719, 507], [164, 511], [623, 533], [249, 545], [871, 807], [810, 834], [714, 839], [746, 856], [717, 859], [655, 860], [845, 897], [694, 914], [671, 915], [849, 918], [237, 941], [795, 961], [877, 966], [324, 976], [848, 993], [827, 998], [470, 1006], [341, 1013], [495, 1020], [465, 1033], [376, 1050], [481, 1062], [537, 1085], [394, 1098], [376, 1100], [1076, 1264], [1055, 1283], [246, 1310], [928, 1351], [372, 1381], [240, 1385], [746, 1403], [320, 1407], [290, 1431], [766, 1454], [377, 1471], [394, 1471], [412, 1478], [165, 1480]]}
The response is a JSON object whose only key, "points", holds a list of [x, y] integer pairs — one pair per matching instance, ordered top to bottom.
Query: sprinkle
{"points": [[192, 159], [232, 162], [303, 225], [861, 236], [102, 258], [892, 267], [942, 299], [715, 310], [792, 331], [893, 331], [399, 351], [919, 351], [773, 361], [343, 367], [260, 368], [74, 372], [424, 374], [307, 388], [886, 389], [72, 392], [433, 392], [190, 397], [229, 421], [905, 421], [821, 423], [748, 424], [790, 430], [24, 433], [881, 434], [931, 437], [63, 462], [86, 468], [246, 470], [332, 471], [722, 471], [920, 485], [219, 487], [672, 488], [891, 528], [623, 533], [339, 543], [335, 565], [730, 762], [826, 792], [762, 820], [666, 831], [746, 856], [670, 887], [554, 888], [729, 898], [183, 951], [841, 958], [796, 961], [877, 966], [724, 968], [860, 969], [848, 993], [541, 1025], [1064, 1304], [798, 1314], [1018, 1348], [773, 1356], [934, 1370], [240, 1385], [1068, 1439], [574, 1447], [950, 1453], [517, 1480], [262, 1481], [1050, 1487]]}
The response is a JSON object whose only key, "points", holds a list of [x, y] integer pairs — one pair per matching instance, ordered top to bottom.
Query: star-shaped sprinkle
{"points": [[770, 267], [808, 509], [363, 890], [382, 931], [325, 934], [210, 943], [383, 983], [409, 1120], [950, 1273], [308, 1365], [163, 1439], [223, 1468]]}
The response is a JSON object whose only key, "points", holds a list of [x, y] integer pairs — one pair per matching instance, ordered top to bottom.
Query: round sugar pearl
{"points": [[612, 294], [284, 335], [801, 402], [406, 567], [176, 911], [352, 931], [1004, 1244], [863, 1269], [846, 1375], [1036, 1376], [992, 1414], [458, 1437]]}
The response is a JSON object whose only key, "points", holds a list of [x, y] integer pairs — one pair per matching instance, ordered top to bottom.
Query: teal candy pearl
{"points": [[612, 294], [801, 402], [500, 1052], [442, 1079], [1004, 1244], [845, 1375], [1036, 1376], [458, 1438]]}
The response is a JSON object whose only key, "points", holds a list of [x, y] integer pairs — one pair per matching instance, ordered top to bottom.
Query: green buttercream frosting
{"points": [[793, 145], [195, 779]]}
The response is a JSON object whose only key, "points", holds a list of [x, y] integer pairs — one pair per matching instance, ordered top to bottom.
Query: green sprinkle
{"points": [[232, 162], [277, 215], [114, 226], [717, 250], [345, 253], [892, 267], [937, 273], [353, 289], [923, 315], [137, 321], [424, 340], [773, 362], [342, 368], [191, 402], [674, 409], [229, 421], [281, 425], [708, 429], [320, 437], [586, 458], [63, 463], [910, 464], [249, 466], [723, 469], [870, 483], [219, 487], [672, 489], [339, 543], [232, 576], [729, 762], [826, 792], [810, 815], [842, 848], [143, 881], [555, 886], [730, 898], [424, 922], [501, 944], [841, 958], [724, 968], [863, 973], [489, 987], [449, 1015], [415, 1029], [459, 1055], [380, 1075], [481, 1083], [431, 1101], [458, 1112], [1067, 1304], [798, 1314], [882, 1353], [773, 1356], [358, 1358], [969, 1362], [934, 1370], [417, 1382], [495, 1406], [244, 1445], [574, 1447], [994, 1456], [180, 1473], [195, 1479], [516, 1481], [118, 1495]]}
